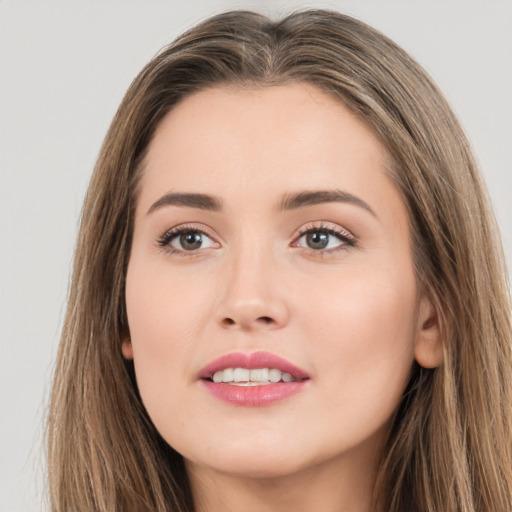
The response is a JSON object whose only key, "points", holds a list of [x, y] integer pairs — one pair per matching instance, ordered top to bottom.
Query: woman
{"points": [[289, 290]]}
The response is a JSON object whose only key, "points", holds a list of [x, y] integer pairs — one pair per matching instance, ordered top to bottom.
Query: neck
{"points": [[332, 486]]}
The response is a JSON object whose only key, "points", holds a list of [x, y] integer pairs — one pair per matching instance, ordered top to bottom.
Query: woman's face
{"points": [[269, 237]]}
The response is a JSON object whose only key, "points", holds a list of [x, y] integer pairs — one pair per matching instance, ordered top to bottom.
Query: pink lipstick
{"points": [[252, 380]]}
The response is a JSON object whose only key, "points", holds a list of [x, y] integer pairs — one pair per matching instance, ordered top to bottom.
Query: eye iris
{"points": [[191, 240], [317, 240]]}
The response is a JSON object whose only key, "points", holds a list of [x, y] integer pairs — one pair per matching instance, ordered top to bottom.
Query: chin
{"points": [[251, 459], [260, 469]]}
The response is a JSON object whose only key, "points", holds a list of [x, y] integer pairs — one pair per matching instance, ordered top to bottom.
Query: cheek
{"points": [[370, 307], [164, 316], [364, 329]]}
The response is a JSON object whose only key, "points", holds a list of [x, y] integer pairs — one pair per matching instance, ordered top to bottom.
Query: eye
{"points": [[325, 238], [186, 239]]}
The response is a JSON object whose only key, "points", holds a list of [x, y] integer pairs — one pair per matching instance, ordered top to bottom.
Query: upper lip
{"points": [[252, 361]]}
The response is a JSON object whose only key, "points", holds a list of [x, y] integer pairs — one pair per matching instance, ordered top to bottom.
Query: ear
{"points": [[126, 348], [428, 349]]}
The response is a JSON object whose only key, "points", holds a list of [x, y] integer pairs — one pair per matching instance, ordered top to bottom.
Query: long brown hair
{"points": [[450, 448]]}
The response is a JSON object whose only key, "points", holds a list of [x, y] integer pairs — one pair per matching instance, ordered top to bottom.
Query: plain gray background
{"points": [[64, 67]]}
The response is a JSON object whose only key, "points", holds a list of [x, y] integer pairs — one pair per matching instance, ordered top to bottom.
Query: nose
{"points": [[253, 297]]}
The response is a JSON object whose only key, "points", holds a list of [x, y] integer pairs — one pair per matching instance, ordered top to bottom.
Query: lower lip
{"points": [[253, 396]]}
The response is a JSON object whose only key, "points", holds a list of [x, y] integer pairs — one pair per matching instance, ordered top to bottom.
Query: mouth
{"points": [[251, 377], [252, 380]]}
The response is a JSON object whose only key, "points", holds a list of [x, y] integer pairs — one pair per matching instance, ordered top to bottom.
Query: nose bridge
{"points": [[252, 296]]}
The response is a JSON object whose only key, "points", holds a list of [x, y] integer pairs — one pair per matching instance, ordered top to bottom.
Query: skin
{"points": [[349, 315]]}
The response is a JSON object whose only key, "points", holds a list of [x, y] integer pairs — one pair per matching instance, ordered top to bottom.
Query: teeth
{"points": [[259, 374], [227, 375], [241, 375], [274, 375], [254, 377], [286, 377]]}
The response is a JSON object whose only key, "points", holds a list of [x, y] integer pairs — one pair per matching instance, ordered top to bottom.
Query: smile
{"points": [[254, 377], [252, 380]]}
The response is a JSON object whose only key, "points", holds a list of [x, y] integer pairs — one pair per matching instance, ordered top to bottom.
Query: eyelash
{"points": [[347, 239], [165, 240]]}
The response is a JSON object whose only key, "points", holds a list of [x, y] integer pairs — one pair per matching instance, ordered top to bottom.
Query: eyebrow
{"points": [[310, 198], [199, 201], [289, 201]]}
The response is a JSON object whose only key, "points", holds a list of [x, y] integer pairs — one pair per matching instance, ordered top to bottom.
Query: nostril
{"points": [[262, 320]]}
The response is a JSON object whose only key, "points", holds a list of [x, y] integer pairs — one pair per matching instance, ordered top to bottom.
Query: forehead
{"points": [[239, 142]]}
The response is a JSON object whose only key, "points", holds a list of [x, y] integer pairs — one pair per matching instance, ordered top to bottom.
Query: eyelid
{"points": [[345, 236], [347, 239], [164, 240]]}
